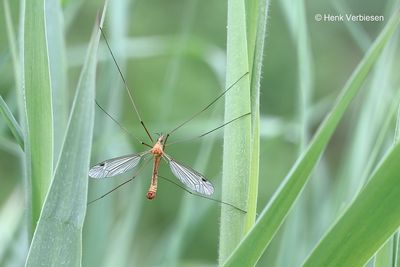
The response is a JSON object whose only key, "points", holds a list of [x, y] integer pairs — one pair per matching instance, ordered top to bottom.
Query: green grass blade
{"points": [[253, 13], [296, 19], [260, 24], [12, 43], [14, 55], [16, 67], [58, 70], [305, 74], [12, 123], [397, 130], [39, 146], [236, 151], [271, 218], [367, 223], [396, 236], [58, 238], [396, 249], [389, 252], [384, 257]]}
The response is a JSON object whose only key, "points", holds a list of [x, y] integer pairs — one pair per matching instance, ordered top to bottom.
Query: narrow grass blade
{"points": [[261, 13], [253, 15], [14, 55], [58, 70], [17, 73], [12, 123], [397, 130], [39, 146], [236, 151], [367, 223], [396, 236], [58, 238], [253, 245], [396, 249], [388, 253], [384, 256]]}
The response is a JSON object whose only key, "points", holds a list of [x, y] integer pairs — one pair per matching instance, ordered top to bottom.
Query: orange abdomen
{"points": [[151, 193]]}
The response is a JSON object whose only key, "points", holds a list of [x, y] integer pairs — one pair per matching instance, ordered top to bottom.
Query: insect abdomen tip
{"points": [[151, 195]]}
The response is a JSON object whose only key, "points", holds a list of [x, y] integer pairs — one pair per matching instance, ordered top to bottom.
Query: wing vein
{"points": [[116, 166], [189, 177]]}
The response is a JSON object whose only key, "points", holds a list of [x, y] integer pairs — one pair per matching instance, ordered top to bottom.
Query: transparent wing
{"points": [[115, 166], [189, 177]]}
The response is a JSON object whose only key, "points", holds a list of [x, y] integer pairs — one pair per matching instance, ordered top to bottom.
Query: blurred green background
{"points": [[172, 54]]}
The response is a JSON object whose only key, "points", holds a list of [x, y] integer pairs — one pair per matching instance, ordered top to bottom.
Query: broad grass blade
{"points": [[39, 112], [370, 220], [58, 238]]}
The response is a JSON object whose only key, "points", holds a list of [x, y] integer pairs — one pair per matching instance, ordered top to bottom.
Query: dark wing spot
{"points": [[102, 164], [204, 180]]}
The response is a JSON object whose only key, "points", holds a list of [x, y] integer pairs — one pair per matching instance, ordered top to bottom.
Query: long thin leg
{"points": [[125, 84], [206, 107], [120, 125], [208, 132], [112, 190], [194, 194]]}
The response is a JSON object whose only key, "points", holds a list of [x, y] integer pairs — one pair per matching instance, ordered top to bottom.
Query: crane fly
{"points": [[189, 177]]}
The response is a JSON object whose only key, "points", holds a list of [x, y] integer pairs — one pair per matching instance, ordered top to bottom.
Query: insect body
{"points": [[157, 152], [189, 177]]}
